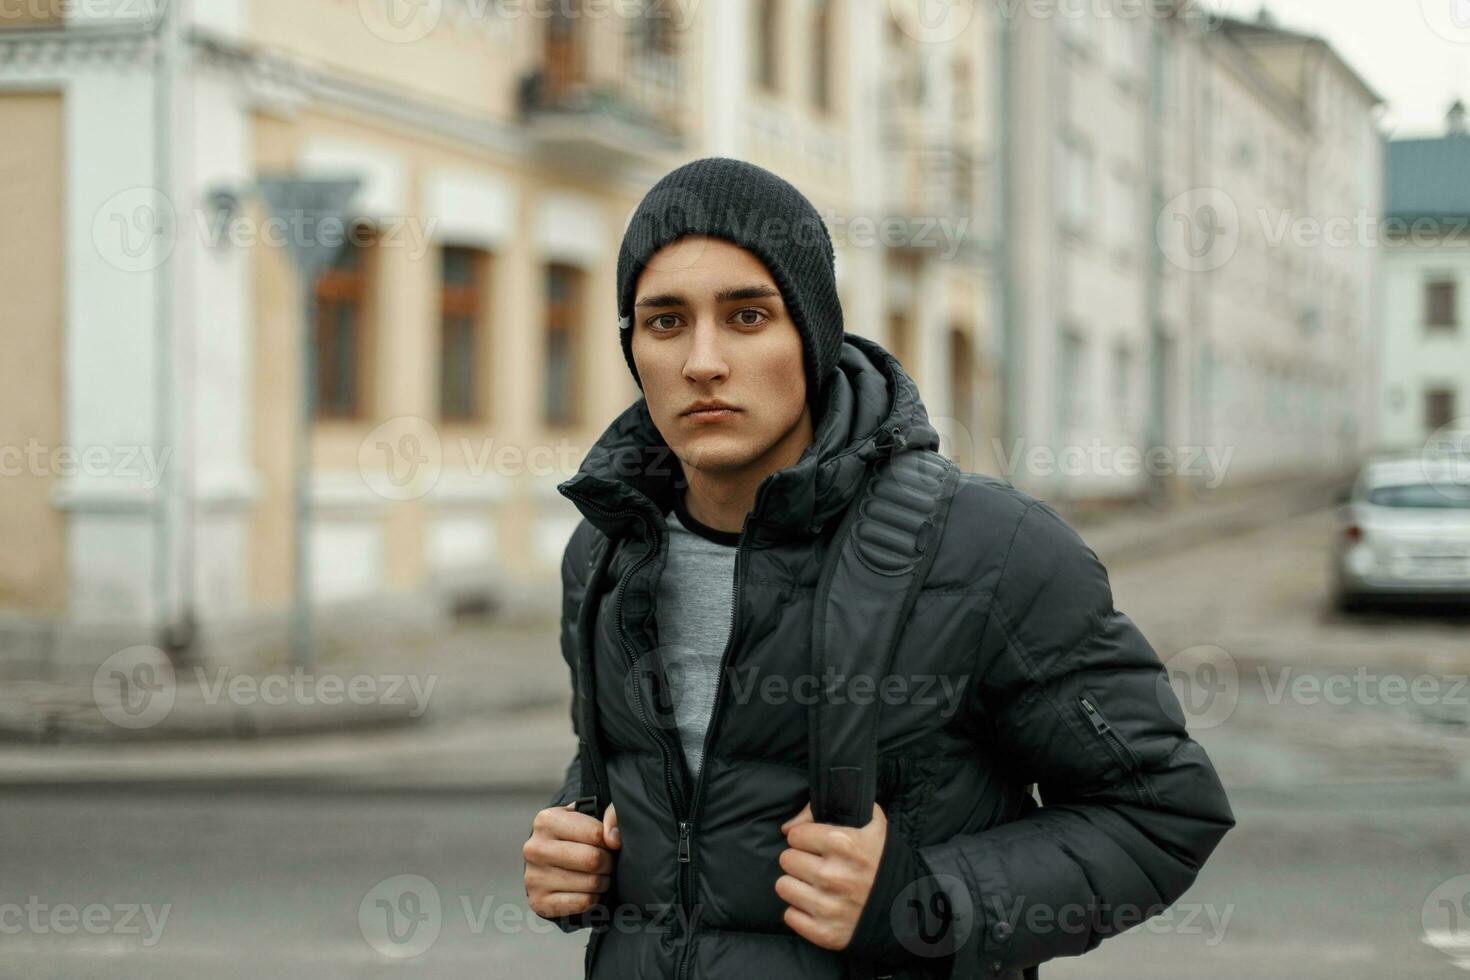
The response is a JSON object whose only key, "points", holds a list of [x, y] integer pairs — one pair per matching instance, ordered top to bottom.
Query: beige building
{"points": [[1090, 230], [465, 350]]}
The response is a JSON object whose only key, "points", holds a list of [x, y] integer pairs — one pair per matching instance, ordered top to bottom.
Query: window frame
{"points": [[348, 283], [458, 301]]}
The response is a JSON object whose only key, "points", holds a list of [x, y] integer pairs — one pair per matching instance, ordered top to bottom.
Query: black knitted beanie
{"points": [[762, 213]]}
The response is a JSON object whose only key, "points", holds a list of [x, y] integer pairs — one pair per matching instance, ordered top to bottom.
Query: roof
{"points": [[1256, 32], [1426, 177]]}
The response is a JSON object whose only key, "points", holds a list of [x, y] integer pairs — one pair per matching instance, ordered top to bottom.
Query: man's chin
{"points": [[716, 453]]}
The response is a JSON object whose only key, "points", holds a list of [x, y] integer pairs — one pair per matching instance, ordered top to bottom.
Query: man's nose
{"points": [[706, 358]]}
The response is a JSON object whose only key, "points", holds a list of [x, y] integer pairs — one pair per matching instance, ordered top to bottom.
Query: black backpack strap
{"points": [[869, 583], [594, 798]]}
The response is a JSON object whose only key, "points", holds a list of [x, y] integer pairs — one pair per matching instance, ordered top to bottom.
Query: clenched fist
{"points": [[569, 860], [829, 872]]}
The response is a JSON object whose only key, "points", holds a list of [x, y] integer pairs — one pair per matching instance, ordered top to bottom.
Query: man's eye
{"points": [[759, 317], [663, 321]]}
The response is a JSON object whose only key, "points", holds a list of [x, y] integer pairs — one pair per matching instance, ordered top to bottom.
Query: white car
{"points": [[1405, 532]]}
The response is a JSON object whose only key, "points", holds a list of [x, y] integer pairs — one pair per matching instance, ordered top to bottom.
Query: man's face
{"points": [[710, 324]]}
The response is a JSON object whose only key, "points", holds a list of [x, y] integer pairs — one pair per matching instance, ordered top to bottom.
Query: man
{"points": [[684, 834]]}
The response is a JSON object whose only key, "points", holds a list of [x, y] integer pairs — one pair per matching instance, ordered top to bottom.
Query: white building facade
{"points": [[1425, 358]]}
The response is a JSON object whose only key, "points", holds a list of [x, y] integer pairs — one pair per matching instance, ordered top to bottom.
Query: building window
{"points": [[1076, 27], [656, 29], [767, 44], [563, 52], [821, 55], [902, 71], [1161, 92], [963, 102], [1076, 177], [1120, 216], [901, 277], [1439, 304], [461, 313], [563, 319], [900, 335], [340, 344], [1072, 366], [962, 378], [1123, 382], [1439, 408]]}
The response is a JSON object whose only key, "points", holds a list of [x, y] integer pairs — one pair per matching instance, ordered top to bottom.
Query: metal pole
{"points": [[307, 203], [302, 645]]}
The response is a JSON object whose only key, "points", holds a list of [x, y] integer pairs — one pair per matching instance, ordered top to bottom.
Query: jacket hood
{"points": [[872, 408]]}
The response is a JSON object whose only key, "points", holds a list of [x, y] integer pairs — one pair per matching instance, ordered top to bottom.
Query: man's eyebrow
{"points": [[723, 296]]}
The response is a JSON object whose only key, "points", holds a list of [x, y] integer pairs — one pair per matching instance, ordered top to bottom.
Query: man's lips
{"points": [[712, 413]]}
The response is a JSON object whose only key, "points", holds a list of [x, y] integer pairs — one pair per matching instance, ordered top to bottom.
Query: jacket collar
{"points": [[630, 475]]}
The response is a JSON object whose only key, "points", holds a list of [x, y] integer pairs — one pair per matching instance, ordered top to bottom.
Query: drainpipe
{"points": [[1058, 105], [1201, 284], [1003, 292], [1157, 428], [172, 581]]}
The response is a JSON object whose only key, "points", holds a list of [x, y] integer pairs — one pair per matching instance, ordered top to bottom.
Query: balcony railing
{"points": [[628, 108], [937, 178]]}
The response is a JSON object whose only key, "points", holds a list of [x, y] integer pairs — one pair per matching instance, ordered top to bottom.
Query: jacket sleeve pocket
{"points": [[1079, 704]]}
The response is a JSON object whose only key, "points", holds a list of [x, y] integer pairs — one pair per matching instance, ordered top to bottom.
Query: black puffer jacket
{"points": [[1034, 678]]}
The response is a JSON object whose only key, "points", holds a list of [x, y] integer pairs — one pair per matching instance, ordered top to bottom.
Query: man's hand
{"points": [[569, 859], [829, 873]]}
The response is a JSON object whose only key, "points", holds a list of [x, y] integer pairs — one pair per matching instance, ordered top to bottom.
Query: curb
{"points": [[524, 752]]}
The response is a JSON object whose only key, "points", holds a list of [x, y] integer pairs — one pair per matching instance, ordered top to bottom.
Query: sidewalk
{"points": [[1138, 532], [480, 669], [484, 706], [515, 751]]}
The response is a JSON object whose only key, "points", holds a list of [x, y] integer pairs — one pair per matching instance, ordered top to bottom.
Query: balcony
{"points": [[624, 113], [937, 180]]}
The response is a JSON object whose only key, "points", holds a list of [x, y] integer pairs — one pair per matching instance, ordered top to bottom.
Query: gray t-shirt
{"points": [[693, 614]]}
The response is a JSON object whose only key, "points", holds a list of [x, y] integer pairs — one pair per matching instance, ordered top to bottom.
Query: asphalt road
{"points": [[1351, 858], [247, 884]]}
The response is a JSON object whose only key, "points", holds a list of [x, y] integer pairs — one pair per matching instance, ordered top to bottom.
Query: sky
{"points": [[1414, 53]]}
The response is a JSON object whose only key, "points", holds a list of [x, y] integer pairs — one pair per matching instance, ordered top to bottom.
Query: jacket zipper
{"points": [[1125, 756], [685, 819], [686, 827]]}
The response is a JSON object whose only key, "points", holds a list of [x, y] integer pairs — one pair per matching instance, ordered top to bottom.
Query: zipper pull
{"points": [[1098, 723], [684, 841]]}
